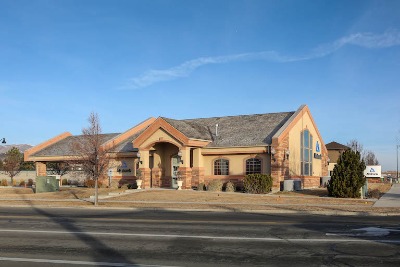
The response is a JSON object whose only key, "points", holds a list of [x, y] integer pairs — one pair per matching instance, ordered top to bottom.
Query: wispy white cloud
{"points": [[367, 40]]}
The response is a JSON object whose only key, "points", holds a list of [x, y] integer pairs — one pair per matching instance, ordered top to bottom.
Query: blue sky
{"points": [[129, 60]]}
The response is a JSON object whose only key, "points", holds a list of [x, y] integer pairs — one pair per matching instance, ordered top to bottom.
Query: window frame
{"points": [[306, 152], [253, 159], [221, 166]]}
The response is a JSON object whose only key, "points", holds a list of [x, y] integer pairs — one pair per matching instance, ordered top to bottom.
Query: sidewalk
{"points": [[391, 199]]}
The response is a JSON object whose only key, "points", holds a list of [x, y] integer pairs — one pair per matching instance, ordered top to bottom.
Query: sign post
{"points": [[110, 173]]}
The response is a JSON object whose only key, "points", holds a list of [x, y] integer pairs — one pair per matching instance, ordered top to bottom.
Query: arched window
{"points": [[306, 156], [253, 165], [221, 167]]}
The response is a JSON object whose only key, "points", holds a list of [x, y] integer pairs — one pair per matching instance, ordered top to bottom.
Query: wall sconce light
{"points": [[3, 141], [273, 153], [287, 153], [179, 155], [138, 156], [328, 160]]}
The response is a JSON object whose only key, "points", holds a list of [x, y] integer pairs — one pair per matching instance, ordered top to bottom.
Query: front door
{"points": [[174, 169]]}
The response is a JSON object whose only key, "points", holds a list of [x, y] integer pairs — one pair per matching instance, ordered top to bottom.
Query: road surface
{"points": [[121, 237]]}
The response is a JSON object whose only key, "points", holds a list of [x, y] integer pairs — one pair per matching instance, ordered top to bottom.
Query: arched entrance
{"points": [[164, 165]]}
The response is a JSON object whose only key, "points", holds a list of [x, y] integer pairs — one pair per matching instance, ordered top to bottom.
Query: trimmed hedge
{"points": [[257, 183]]}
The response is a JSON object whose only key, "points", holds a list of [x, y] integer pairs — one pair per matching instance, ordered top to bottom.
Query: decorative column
{"points": [[279, 161], [198, 167], [144, 168], [41, 169], [185, 170]]}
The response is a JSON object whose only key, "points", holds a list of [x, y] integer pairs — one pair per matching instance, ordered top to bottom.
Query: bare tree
{"points": [[355, 146], [90, 153], [367, 155], [370, 158], [12, 163], [59, 168]]}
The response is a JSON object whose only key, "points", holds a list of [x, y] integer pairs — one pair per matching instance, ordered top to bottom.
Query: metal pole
{"points": [[397, 161]]}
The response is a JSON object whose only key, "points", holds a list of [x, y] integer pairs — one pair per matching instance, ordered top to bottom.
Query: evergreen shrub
{"points": [[348, 176], [257, 183], [215, 185], [201, 187], [230, 187]]}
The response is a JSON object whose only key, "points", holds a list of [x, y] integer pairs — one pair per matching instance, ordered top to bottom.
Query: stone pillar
{"points": [[279, 162], [198, 167], [144, 168], [41, 169], [185, 170], [197, 175], [186, 176], [145, 177], [156, 177]]}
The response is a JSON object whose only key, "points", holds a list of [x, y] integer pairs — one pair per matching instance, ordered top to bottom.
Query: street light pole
{"points": [[397, 161]]}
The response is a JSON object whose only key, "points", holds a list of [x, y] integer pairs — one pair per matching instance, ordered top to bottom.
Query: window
{"points": [[306, 141], [253, 166], [221, 167]]}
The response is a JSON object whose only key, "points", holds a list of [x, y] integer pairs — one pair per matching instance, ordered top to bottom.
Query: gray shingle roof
{"points": [[242, 130], [64, 146], [127, 146]]}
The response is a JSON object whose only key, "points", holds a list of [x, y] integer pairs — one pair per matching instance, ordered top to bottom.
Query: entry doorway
{"points": [[174, 171]]}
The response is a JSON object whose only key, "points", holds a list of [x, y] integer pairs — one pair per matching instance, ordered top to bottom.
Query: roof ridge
{"points": [[230, 116]]}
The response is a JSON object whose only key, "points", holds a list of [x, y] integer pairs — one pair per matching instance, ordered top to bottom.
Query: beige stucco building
{"points": [[286, 145], [335, 149]]}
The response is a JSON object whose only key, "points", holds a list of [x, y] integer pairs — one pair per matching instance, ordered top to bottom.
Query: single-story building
{"points": [[286, 145]]}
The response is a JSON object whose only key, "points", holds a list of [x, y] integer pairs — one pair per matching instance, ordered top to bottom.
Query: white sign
{"points": [[373, 171], [110, 172]]}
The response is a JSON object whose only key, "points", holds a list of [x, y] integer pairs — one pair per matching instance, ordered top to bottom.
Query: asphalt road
{"points": [[104, 237]]}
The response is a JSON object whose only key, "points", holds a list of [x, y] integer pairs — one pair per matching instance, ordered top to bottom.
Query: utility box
{"points": [[46, 184]]}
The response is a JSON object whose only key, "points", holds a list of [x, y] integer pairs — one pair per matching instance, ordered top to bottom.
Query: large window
{"points": [[306, 153], [253, 166], [221, 167]]}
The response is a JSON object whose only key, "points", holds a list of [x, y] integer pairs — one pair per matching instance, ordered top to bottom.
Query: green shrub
{"points": [[348, 175], [64, 181], [4, 182], [257, 183], [215, 185], [201, 187], [230, 187]]}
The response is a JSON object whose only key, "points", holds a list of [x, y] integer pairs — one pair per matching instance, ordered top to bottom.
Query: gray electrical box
{"points": [[46, 184]]}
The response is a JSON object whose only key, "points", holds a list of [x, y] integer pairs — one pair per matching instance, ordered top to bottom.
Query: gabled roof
{"points": [[242, 130], [233, 131], [61, 145], [64, 146], [336, 146]]}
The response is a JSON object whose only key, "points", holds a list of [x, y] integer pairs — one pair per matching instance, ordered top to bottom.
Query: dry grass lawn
{"points": [[306, 200]]}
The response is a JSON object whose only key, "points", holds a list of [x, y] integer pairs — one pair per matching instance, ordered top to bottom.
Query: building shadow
{"points": [[100, 251]]}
